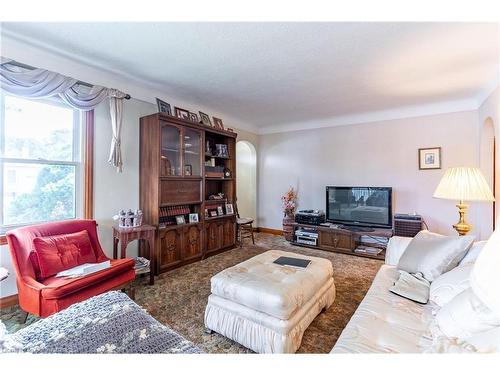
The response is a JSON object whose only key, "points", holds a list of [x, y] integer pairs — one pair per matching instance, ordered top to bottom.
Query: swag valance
{"points": [[41, 83]]}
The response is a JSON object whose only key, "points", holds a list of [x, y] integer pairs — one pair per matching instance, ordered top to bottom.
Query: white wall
{"points": [[373, 154], [114, 191]]}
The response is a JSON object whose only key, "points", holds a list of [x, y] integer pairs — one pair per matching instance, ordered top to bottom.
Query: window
{"points": [[40, 162]]}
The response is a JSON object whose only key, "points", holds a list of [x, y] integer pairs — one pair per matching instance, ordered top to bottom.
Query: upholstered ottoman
{"points": [[267, 307]]}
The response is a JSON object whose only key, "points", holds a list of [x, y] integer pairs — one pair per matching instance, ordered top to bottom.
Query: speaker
{"points": [[407, 225]]}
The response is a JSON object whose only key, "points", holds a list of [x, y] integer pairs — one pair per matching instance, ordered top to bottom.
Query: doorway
{"points": [[488, 166], [246, 179]]}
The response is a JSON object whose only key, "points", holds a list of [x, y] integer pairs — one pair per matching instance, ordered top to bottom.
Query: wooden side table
{"points": [[125, 235]]}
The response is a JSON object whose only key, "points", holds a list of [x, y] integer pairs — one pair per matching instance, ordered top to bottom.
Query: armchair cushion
{"points": [[61, 252], [59, 287]]}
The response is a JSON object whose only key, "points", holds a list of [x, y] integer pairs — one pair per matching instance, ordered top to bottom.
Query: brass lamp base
{"points": [[462, 227]]}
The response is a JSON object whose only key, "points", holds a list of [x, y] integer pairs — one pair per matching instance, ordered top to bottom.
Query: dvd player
{"points": [[313, 217]]}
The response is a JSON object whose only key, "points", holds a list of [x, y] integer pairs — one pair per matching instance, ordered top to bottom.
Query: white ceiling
{"points": [[290, 75]]}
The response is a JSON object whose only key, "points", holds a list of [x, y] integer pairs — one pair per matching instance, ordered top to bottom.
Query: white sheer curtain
{"points": [[41, 83], [116, 111]]}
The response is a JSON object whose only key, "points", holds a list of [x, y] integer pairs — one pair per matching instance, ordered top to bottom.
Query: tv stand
{"points": [[342, 240]]}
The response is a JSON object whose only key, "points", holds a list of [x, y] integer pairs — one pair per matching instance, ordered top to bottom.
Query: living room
{"points": [[255, 187]]}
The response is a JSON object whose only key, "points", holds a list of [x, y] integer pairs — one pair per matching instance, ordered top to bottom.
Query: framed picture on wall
{"points": [[429, 158]]}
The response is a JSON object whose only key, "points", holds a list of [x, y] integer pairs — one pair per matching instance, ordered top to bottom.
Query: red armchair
{"points": [[46, 296]]}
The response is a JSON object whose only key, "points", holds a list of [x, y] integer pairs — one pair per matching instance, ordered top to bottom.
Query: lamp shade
{"points": [[464, 184]]}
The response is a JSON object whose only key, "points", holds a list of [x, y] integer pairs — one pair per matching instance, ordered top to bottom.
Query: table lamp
{"points": [[463, 184]]}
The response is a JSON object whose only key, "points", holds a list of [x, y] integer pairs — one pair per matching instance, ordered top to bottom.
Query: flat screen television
{"points": [[359, 206]]}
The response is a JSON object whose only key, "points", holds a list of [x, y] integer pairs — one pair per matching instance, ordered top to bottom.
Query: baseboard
{"points": [[276, 232], [8, 301]]}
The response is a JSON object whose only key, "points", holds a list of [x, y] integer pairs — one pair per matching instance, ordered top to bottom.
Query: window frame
{"points": [[83, 144]]}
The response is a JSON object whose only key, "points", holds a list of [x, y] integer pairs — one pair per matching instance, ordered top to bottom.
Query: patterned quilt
{"points": [[108, 323]]}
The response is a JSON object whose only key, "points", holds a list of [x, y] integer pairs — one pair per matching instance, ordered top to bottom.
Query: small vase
{"points": [[288, 220]]}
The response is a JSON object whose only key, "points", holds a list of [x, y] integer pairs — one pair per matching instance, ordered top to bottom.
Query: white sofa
{"points": [[387, 323]]}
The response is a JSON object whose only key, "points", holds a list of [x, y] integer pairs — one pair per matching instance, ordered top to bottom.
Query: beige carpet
{"points": [[178, 298]]}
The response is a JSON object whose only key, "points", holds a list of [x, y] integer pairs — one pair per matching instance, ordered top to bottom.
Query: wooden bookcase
{"points": [[174, 182]]}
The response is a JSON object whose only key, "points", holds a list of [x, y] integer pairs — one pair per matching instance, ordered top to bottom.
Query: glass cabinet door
{"points": [[192, 152], [170, 164]]}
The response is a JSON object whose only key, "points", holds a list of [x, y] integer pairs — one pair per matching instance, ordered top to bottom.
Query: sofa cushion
{"points": [[61, 252], [473, 253], [433, 254], [450, 284], [59, 287], [465, 315], [385, 322], [486, 341]]}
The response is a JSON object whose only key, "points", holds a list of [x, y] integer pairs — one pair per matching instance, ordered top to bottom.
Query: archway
{"points": [[488, 165], [246, 179]]}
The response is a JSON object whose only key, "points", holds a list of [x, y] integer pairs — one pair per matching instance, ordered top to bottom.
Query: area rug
{"points": [[178, 297]]}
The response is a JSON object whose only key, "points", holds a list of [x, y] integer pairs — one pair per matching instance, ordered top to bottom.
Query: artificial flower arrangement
{"points": [[289, 202]]}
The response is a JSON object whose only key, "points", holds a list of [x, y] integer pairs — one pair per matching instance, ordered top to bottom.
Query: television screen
{"points": [[370, 206]]}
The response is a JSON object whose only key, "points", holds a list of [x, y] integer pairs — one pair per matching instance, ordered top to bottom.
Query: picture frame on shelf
{"points": [[164, 107], [181, 113], [193, 117], [205, 119], [218, 123], [208, 148], [221, 150], [429, 158], [188, 170], [229, 209], [220, 211], [206, 212], [213, 213], [193, 218], [179, 220]]}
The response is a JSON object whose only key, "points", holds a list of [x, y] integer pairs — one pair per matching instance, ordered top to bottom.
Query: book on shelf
{"points": [[168, 214], [374, 239], [369, 250]]}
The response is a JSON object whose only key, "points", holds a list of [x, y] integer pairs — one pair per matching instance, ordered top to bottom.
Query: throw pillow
{"points": [[61, 252], [473, 253], [433, 254], [485, 276], [450, 284], [412, 287], [465, 316]]}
